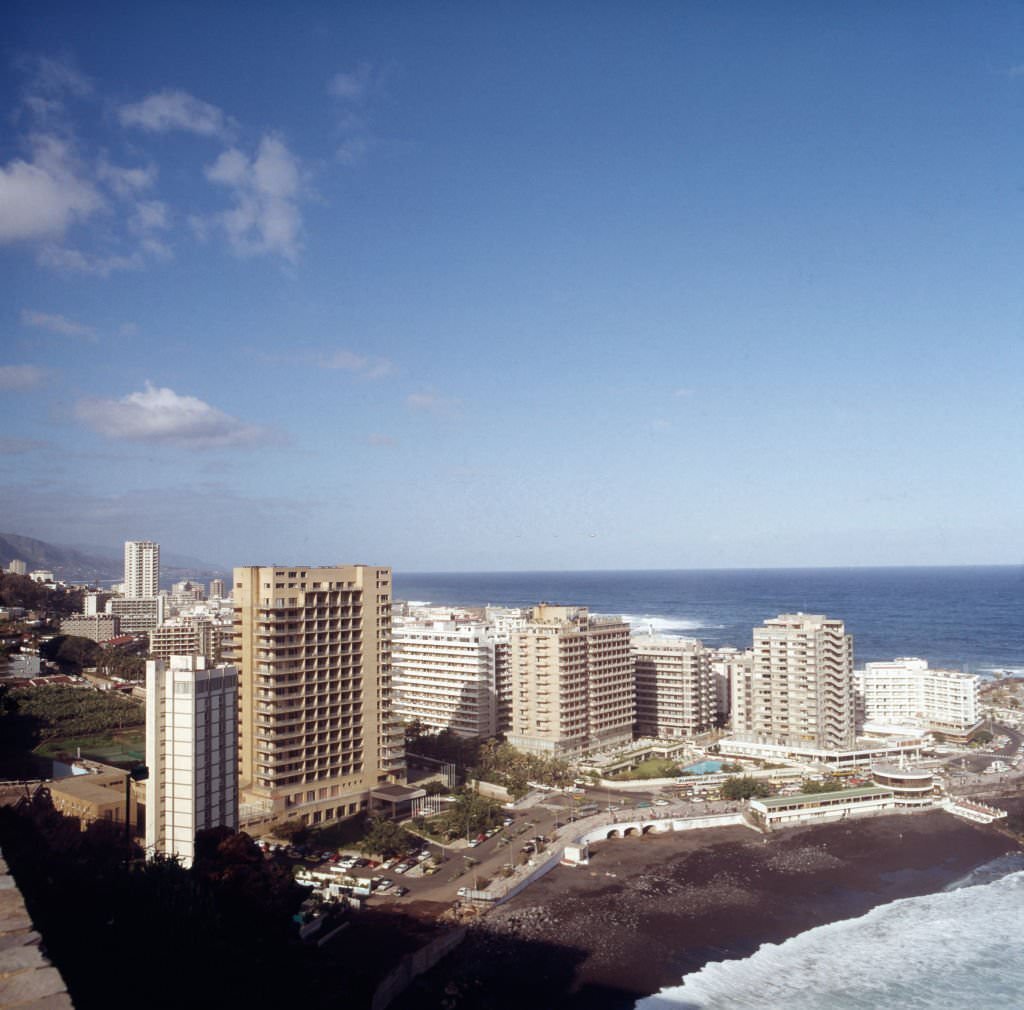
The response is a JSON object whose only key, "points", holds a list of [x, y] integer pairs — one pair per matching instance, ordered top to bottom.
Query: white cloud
{"points": [[50, 81], [351, 86], [352, 89], [175, 110], [353, 150], [127, 181], [41, 198], [150, 215], [265, 218], [157, 249], [96, 264], [56, 324], [370, 368], [15, 377], [683, 392], [431, 403], [162, 416], [377, 438]]}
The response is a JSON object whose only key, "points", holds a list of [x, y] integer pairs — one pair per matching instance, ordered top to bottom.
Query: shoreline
{"points": [[650, 910]]}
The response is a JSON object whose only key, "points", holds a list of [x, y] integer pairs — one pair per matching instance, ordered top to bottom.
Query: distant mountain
{"points": [[98, 565]]}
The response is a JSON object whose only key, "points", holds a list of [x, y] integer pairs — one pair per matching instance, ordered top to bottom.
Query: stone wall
{"points": [[27, 979]]}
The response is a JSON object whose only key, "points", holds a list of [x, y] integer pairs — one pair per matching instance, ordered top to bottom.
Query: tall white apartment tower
{"points": [[141, 568], [445, 676], [799, 691], [191, 751]]}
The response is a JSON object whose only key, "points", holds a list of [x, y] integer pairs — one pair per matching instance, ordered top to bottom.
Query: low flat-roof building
{"points": [[911, 787], [95, 792], [779, 811]]}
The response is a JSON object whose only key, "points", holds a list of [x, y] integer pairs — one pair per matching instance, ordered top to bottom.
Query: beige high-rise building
{"points": [[141, 569], [186, 636], [572, 682], [675, 687], [799, 691], [316, 728]]}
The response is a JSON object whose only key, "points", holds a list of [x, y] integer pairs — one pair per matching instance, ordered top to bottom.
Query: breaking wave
{"points": [[956, 948]]}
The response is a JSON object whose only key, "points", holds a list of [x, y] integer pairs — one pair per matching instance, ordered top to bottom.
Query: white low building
{"points": [[906, 692], [833, 806]]}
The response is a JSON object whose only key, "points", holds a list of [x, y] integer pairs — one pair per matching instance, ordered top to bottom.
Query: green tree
{"points": [[70, 652], [124, 661], [829, 785], [744, 787], [385, 838]]}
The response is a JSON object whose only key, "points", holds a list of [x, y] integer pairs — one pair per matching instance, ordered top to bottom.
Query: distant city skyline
{"points": [[461, 289]]}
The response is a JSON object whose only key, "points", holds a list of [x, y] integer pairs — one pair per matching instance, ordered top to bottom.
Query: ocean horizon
{"points": [[964, 617]]}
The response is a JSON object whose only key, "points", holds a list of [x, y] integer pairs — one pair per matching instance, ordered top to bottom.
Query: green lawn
{"points": [[117, 747], [656, 768]]}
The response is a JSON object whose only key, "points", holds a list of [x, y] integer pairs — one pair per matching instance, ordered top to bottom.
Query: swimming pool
{"points": [[703, 767]]}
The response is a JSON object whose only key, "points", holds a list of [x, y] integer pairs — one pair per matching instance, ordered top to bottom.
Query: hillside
{"points": [[98, 565]]}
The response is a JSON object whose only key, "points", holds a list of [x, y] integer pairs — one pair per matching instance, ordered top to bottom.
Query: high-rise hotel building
{"points": [[141, 569], [446, 676], [572, 684], [675, 687], [799, 689], [316, 727]]}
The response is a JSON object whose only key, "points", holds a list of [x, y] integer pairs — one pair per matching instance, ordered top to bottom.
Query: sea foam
{"points": [[662, 625], [955, 948]]}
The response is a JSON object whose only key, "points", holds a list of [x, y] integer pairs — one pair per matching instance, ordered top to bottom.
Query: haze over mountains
{"points": [[97, 564]]}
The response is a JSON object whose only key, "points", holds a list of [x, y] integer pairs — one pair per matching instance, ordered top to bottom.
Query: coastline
{"points": [[648, 911]]}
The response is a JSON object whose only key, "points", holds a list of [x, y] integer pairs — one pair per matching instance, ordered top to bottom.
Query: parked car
{"points": [[401, 892]]}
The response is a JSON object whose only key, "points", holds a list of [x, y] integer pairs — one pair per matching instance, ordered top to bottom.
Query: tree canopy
{"points": [[74, 711], [744, 787], [385, 838]]}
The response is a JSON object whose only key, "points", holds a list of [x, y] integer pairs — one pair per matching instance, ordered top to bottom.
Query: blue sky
{"points": [[459, 286]]}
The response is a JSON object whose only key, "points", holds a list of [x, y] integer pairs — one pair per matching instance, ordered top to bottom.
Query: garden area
{"points": [[56, 721]]}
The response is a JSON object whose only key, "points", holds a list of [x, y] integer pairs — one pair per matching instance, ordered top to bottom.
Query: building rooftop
{"points": [[861, 792]]}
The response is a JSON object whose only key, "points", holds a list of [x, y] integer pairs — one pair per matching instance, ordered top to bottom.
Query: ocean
{"points": [[967, 618], [958, 948]]}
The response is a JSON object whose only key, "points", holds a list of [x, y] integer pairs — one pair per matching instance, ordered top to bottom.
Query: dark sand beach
{"points": [[648, 911]]}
